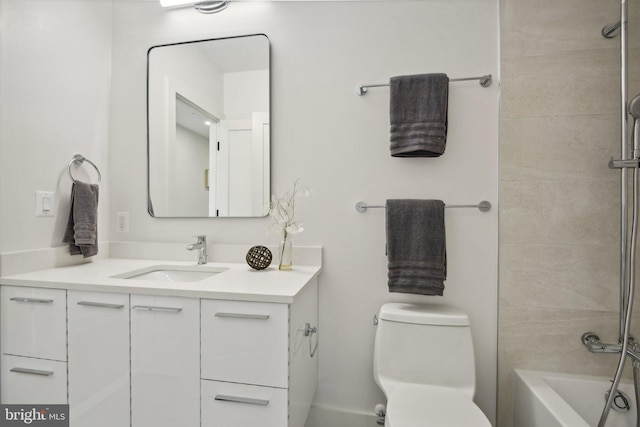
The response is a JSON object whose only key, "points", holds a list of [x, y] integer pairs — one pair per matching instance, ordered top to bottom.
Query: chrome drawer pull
{"points": [[26, 299], [100, 304], [154, 308], [244, 316], [32, 371], [237, 399]]}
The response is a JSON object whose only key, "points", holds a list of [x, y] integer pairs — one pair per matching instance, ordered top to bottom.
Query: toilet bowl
{"points": [[424, 363]]}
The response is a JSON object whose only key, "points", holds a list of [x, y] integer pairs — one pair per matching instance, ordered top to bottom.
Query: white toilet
{"points": [[424, 364]]}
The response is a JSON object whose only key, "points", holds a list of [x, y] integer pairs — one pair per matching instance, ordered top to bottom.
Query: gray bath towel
{"points": [[418, 114], [82, 228], [416, 246]]}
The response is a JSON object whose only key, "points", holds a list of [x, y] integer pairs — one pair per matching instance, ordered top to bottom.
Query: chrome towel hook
{"points": [[79, 159], [308, 331]]}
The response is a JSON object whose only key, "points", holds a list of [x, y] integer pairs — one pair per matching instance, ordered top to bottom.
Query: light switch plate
{"points": [[45, 203]]}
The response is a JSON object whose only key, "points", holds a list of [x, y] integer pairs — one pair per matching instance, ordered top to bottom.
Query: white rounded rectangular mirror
{"points": [[208, 128]]}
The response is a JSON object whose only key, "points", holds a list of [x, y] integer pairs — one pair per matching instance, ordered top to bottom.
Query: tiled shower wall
{"points": [[559, 214]]}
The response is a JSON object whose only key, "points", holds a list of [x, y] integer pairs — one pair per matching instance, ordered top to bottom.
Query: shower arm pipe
{"points": [[627, 271], [624, 276], [628, 310]]}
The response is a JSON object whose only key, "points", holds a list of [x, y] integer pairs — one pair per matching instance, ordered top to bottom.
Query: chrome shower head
{"points": [[634, 107]]}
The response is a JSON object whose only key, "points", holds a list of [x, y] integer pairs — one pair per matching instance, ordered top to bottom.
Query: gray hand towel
{"points": [[418, 114], [82, 228], [416, 246]]}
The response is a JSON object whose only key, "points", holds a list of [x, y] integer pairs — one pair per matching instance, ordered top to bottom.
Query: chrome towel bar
{"points": [[485, 81], [79, 159], [483, 206]]}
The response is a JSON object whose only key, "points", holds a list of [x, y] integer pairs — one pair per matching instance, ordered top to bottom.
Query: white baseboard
{"points": [[329, 417]]}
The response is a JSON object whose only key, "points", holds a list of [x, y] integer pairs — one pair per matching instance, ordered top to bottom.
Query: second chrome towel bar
{"points": [[485, 81], [483, 206]]}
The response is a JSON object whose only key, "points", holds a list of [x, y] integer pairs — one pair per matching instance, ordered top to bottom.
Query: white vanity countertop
{"points": [[239, 282]]}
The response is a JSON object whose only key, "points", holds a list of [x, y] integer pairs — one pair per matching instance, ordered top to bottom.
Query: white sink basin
{"points": [[172, 273]]}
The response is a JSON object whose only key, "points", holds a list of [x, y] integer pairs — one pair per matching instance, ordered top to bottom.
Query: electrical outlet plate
{"points": [[123, 222]]}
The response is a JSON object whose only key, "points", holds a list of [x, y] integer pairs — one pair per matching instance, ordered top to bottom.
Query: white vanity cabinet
{"points": [[38, 319], [245, 342], [34, 345], [238, 352], [98, 359], [165, 361], [245, 364], [258, 366], [226, 404]]}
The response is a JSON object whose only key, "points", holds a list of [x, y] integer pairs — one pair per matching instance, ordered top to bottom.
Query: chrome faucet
{"points": [[201, 246]]}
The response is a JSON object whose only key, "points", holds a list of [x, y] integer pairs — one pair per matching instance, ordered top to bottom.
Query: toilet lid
{"points": [[420, 406]]}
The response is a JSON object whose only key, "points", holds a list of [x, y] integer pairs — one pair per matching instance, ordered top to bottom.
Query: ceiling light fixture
{"points": [[175, 3], [206, 6], [213, 6]]}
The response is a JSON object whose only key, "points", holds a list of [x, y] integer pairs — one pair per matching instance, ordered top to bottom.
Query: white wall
{"points": [[55, 68], [245, 92], [337, 142], [188, 185]]}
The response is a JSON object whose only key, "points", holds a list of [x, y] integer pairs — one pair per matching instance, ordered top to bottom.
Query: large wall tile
{"points": [[546, 27], [570, 83], [564, 147], [577, 212], [563, 276]]}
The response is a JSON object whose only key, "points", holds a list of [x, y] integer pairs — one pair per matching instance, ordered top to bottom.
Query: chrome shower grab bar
{"points": [[485, 81], [79, 159], [483, 206]]}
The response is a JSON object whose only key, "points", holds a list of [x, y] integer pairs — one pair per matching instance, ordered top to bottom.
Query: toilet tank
{"points": [[424, 344]]}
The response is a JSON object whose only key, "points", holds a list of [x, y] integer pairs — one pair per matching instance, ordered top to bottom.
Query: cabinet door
{"points": [[34, 322], [245, 342], [98, 359], [165, 361], [26, 380], [241, 405]]}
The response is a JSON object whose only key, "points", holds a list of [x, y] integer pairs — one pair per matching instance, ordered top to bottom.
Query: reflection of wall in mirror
{"points": [[184, 71], [188, 187]]}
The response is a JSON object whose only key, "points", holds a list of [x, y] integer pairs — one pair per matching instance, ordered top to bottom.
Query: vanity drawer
{"points": [[34, 322], [245, 342], [26, 380], [241, 405]]}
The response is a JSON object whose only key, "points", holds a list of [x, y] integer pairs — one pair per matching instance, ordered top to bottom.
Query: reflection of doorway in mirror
{"points": [[193, 145], [243, 166], [234, 168]]}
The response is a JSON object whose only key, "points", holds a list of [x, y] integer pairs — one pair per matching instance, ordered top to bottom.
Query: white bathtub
{"points": [[547, 399]]}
